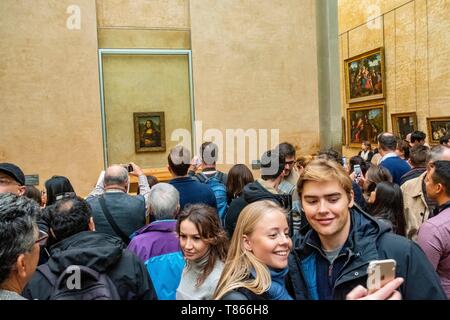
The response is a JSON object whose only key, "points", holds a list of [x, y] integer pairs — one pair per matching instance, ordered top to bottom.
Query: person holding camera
{"points": [[115, 212], [332, 258]]}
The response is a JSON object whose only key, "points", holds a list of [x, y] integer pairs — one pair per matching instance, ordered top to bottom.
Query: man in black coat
{"points": [[265, 188], [76, 243], [332, 258]]}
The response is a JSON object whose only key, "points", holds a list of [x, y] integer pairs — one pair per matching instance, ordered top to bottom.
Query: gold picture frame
{"points": [[364, 76], [365, 123], [403, 123], [437, 128], [149, 131], [343, 133]]}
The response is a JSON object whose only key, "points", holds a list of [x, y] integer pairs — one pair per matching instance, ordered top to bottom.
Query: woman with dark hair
{"points": [[402, 149], [366, 151], [359, 161], [374, 175], [238, 176], [56, 187], [33, 193], [386, 204], [204, 244]]}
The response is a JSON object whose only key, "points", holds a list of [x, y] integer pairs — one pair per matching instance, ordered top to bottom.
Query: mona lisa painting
{"points": [[149, 131]]}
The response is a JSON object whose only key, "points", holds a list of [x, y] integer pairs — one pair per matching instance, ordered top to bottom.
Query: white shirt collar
{"points": [[389, 155]]}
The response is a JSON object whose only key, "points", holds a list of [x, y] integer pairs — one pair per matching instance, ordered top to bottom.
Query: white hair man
{"points": [[157, 244]]}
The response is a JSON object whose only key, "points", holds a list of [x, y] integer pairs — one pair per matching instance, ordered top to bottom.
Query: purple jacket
{"points": [[155, 239], [434, 239]]}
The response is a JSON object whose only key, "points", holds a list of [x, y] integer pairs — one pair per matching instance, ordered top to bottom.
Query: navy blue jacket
{"points": [[397, 167], [192, 191]]}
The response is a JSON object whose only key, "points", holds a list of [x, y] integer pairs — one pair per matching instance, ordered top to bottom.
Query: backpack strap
{"points": [[220, 176], [201, 177], [111, 221]]}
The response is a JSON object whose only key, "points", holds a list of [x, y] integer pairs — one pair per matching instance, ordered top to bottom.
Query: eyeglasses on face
{"points": [[289, 162], [42, 238]]}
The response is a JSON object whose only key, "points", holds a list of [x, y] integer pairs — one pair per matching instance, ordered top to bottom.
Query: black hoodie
{"points": [[252, 192], [101, 252]]}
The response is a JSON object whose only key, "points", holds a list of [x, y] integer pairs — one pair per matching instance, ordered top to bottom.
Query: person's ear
{"points": [[439, 188], [22, 190], [352, 199], [91, 224], [247, 243], [21, 266]]}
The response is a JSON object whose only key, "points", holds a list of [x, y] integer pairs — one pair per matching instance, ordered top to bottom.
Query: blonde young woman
{"points": [[257, 260]]}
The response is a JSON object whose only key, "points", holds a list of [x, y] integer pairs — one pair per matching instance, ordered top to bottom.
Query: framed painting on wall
{"points": [[364, 76], [365, 123], [403, 123], [437, 128], [149, 131]]}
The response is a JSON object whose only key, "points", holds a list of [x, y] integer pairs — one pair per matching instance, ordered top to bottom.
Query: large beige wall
{"points": [[156, 24], [416, 38], [255, 66], [144, 83], [49, 93]]}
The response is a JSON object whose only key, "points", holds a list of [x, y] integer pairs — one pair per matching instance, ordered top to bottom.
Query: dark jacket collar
{"points": [[441, 208], [360, 244], [89, 248]]}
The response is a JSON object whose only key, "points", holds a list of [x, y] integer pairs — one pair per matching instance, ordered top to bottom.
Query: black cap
{"points": [[13, 171]]}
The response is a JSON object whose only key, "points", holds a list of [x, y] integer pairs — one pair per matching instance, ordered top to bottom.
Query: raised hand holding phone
{"points": [[358, 172], [380, 272]]}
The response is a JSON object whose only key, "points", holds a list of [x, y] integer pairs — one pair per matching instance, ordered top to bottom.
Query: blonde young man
{"points": [[332, 258]]}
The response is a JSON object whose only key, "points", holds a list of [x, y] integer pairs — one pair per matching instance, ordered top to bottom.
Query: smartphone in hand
{"points": [[358, 172], [380, 272]]}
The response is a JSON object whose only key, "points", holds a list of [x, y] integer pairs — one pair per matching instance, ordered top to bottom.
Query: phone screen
{"points": [[358, 173]]}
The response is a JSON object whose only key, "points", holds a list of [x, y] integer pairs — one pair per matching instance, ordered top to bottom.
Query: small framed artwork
{"points": [[364, 76], [365, 123], [403, 123], [437, 128], [149, 131]]}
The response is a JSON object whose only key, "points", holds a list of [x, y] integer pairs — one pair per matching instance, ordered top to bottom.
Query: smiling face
{"points": [[326, 206], [270, 241], [191, 242]]}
